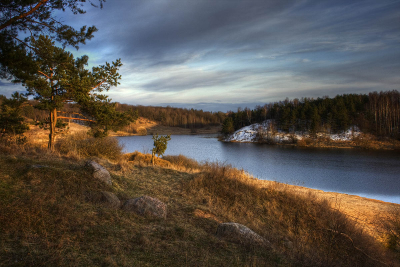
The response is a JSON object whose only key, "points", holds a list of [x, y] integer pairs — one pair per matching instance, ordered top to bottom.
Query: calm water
{"points": [[373, 174]]}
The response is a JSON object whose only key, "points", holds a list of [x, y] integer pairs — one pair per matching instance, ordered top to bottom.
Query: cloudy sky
{"points": [[222, 54]]}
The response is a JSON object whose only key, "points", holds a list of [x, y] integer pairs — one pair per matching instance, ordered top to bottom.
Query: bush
{"points": [[141, 131], [82, 145], [145, 159], [391, 227]]}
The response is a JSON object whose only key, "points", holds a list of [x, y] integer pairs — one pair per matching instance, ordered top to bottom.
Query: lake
{"points": [[372, 174]]}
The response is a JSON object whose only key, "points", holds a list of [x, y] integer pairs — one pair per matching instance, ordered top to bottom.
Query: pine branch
{"points": [[24, 15]]}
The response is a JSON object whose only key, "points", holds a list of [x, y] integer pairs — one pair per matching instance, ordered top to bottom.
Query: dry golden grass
{"points": [[81, 145], [183, 163], [45, 219], [309, 230]]}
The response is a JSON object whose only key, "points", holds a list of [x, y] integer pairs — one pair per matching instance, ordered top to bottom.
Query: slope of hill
{"points": [[48, 217]]}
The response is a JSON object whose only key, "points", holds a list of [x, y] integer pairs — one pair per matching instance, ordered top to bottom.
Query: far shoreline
{"points": [[391, 145]]}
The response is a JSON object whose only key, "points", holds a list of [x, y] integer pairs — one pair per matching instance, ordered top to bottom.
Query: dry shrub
{"points": [[141, 131], [302, 142], [81, 145], [8, 149], [34, 150], [145, 159], [181, 161], [390, 225], [307, 231]]}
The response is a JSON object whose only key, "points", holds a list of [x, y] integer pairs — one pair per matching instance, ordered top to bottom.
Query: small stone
{"points": [[99, 172], [146, 206], [238, 233]]}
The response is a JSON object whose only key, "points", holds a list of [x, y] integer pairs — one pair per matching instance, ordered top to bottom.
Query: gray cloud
{"points": [[332, 44], [7, 88]]}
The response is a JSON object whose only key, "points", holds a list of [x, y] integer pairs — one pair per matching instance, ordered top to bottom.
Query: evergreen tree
{"points": [[35, 17], [58, 78], [11, 121], [315, 121], [227, 126], [160, 145]]}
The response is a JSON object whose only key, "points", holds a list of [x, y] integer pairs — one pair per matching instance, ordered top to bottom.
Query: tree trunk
{"points": [[52, 135], [153, 155]]}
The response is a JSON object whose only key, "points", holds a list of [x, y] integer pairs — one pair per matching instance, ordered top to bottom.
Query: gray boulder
{"points": [[99, 172], [146, 206], [240, 234]]}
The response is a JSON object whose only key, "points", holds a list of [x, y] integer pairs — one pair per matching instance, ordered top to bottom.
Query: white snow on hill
{"points": [[264, 131]]}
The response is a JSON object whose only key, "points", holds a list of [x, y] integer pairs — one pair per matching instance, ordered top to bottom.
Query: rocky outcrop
{"points": [[99, 172], [146, 206], [240, 234]]}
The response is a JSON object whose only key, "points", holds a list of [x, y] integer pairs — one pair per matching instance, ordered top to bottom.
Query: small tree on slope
{"points": [[160, 145]]}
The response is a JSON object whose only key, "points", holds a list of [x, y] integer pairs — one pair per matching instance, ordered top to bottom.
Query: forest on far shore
{"points": [[374, 113]]}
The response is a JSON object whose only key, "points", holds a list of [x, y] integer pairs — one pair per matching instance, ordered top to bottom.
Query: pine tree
{"points": [[35, 17], [57, 78], [12, 124], [227, 126], [160, 145]]}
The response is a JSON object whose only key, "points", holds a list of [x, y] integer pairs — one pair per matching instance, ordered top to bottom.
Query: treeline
{"points": [[375, 113], [167, 116], [177, 117]]}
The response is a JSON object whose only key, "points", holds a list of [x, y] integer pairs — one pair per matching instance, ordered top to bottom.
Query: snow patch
{"points": [[265, 131]]}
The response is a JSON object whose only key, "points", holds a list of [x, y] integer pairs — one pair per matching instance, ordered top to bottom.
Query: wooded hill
{"points": [[375, 113], [166, 116], [177, 117]]}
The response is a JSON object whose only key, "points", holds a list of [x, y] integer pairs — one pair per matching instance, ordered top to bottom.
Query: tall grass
{"points": [[81, 145], [46, 219], [390, 226], [305, 229]]}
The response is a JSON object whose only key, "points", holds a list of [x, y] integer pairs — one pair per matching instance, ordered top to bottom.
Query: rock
{"points": [[99, 172], [146, 206], [238, 233]]}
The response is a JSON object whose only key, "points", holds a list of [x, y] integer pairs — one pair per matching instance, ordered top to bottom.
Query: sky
{"points": [[218, 55]]}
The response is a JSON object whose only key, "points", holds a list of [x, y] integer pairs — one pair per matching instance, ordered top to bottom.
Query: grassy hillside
{"points": [[47, 218]]}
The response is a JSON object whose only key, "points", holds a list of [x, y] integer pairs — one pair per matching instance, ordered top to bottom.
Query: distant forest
{"points": [[375, 113], [167, 116], [177, 117]]}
